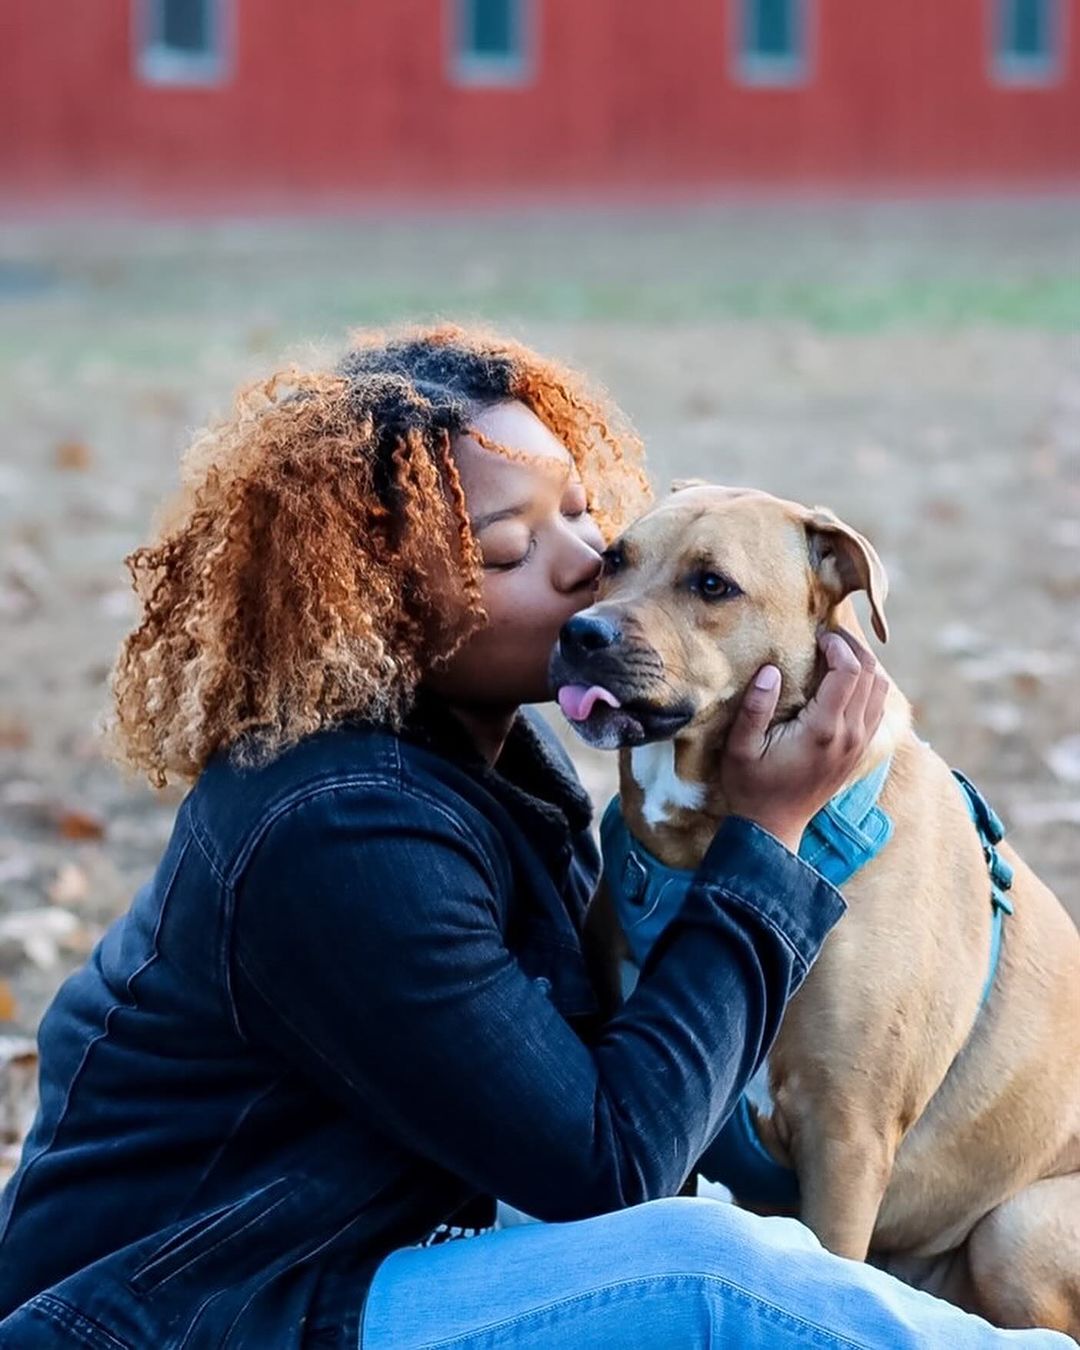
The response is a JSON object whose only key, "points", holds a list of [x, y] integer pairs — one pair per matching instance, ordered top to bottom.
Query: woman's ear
{"points": [[846, 561]]}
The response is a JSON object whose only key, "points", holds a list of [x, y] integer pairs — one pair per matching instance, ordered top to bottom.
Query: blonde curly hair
{"points": [[300, 574]]}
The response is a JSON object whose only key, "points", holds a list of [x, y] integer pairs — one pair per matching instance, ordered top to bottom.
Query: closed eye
{"points": [[518, 562]]}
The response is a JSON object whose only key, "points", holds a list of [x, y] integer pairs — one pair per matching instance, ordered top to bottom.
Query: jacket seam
{"points": [[291, 802], [294, 803], [460, 826], [203, 845], [204, 848], [229, 897], [743, 902], [94, 1040], [75, 1321]]}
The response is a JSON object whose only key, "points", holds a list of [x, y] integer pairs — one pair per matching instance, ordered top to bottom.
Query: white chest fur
{"points": [[653, 767]]}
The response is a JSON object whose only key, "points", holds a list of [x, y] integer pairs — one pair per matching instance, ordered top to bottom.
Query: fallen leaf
{"points": [[73, 455], [944, 510], [1026, 684], [14, 734], [74, 824], [70, 886], [9, 1009]]}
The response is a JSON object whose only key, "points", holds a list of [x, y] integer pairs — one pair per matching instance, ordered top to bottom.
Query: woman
{"points": [[352, 1007]]}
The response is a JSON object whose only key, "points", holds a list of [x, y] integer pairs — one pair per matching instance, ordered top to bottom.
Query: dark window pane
{"points": [[185, 25], [490, 27], [772, 28], [1027, 28]]}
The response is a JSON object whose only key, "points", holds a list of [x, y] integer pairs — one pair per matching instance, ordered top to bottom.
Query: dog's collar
{"points": [[844, 835]]}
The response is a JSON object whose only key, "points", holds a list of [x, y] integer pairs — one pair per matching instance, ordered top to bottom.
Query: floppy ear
{"points": [[680, 483], [845, 561]]}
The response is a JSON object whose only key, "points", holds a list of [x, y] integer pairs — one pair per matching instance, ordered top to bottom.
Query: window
{"points": [[1028, 39], [181, 41], [491, 41], [771, 41]]}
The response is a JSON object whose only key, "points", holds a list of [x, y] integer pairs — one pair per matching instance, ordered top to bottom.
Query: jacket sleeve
{"points": [[367, 949]]}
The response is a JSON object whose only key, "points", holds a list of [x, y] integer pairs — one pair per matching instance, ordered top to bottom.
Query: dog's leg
{"points": [[844, 1161], [1024, 1258]]}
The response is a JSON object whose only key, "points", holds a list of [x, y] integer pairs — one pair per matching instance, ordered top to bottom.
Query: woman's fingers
{"points": [[875, 704], [866, 706], [855, 711], [824, 713], [746, 739]]}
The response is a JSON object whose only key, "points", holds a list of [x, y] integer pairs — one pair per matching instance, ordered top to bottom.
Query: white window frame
{"points": [[156, 63], [474, 70], [766, 71], [1028, 72]]}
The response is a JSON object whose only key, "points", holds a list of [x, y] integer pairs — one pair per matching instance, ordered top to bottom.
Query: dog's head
{"points": [[695, 596]]}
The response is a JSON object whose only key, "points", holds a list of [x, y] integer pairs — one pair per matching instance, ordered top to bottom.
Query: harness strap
{"points": [[849, 831], [991, 832], [647, 894]]}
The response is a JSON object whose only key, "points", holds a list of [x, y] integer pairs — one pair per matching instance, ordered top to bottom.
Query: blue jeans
{"points": [[675, 1273]]}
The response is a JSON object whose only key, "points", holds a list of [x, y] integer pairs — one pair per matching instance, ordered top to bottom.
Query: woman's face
{"points": [[541, 556]]}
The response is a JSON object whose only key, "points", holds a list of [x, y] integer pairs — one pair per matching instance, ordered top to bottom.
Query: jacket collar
{"points": [[528, 775]]}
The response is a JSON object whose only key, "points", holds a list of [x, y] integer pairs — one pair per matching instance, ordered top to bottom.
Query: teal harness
{"points": [[844, 836]]}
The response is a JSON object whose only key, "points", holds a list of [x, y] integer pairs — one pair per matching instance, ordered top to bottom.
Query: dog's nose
{"points": [[584, 634]]}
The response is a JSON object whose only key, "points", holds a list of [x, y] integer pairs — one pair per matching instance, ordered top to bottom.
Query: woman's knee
{"points": [[692, 1235]]}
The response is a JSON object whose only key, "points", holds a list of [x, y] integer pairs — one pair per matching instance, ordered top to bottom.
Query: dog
{"points": [[923, 1092]]}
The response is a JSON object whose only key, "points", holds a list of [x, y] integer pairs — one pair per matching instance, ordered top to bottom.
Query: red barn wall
{"points": [[351, 96]]}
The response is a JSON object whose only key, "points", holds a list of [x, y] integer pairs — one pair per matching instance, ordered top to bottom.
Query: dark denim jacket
{"points": [[353, 998]]}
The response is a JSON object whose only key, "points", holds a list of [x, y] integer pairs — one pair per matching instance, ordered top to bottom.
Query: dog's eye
{"points": [[612, 561], [715, 587]]}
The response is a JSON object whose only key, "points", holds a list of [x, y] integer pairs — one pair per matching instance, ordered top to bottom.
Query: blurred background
{"points": [[826, 247]]}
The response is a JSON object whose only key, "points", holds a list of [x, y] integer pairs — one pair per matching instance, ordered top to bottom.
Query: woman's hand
{"points": [[780, 776]]}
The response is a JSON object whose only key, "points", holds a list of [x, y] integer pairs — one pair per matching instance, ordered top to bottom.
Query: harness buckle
{"points": [[987, 820]]}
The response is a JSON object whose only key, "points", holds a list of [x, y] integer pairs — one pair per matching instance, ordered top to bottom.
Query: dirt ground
{"points": [[915, 366]]}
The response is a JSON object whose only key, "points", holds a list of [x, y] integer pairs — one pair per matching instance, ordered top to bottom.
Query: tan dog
{"points": [[938, 1137]]}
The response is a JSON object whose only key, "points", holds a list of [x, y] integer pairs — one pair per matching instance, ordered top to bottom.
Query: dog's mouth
{"points": [[607, 722]]}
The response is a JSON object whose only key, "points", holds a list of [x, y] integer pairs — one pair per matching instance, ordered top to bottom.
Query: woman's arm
{"points": [[368, 951]]}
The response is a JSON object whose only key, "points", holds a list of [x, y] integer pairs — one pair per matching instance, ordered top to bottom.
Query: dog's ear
{"points": [[680, 483], [845, 561]]}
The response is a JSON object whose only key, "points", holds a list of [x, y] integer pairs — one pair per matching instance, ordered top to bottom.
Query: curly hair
{"points": [[317, 559]]}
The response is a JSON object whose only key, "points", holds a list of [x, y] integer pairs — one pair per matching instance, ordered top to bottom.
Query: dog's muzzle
{"points": [[589, 676]]}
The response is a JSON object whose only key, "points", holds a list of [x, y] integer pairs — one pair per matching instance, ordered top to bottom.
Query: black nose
{"points": [[584, 634]]}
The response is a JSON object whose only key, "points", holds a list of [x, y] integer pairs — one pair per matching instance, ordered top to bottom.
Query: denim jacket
{"points": [[352, 999]]}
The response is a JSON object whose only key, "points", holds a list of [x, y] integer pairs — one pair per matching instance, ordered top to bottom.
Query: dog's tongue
{"points": [[577, 700]]}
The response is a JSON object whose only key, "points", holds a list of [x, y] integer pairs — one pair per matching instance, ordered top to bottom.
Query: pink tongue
{"points": [[577, 701]]}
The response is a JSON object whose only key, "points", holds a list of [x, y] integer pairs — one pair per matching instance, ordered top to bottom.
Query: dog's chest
{"points": [[663, 791]]}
